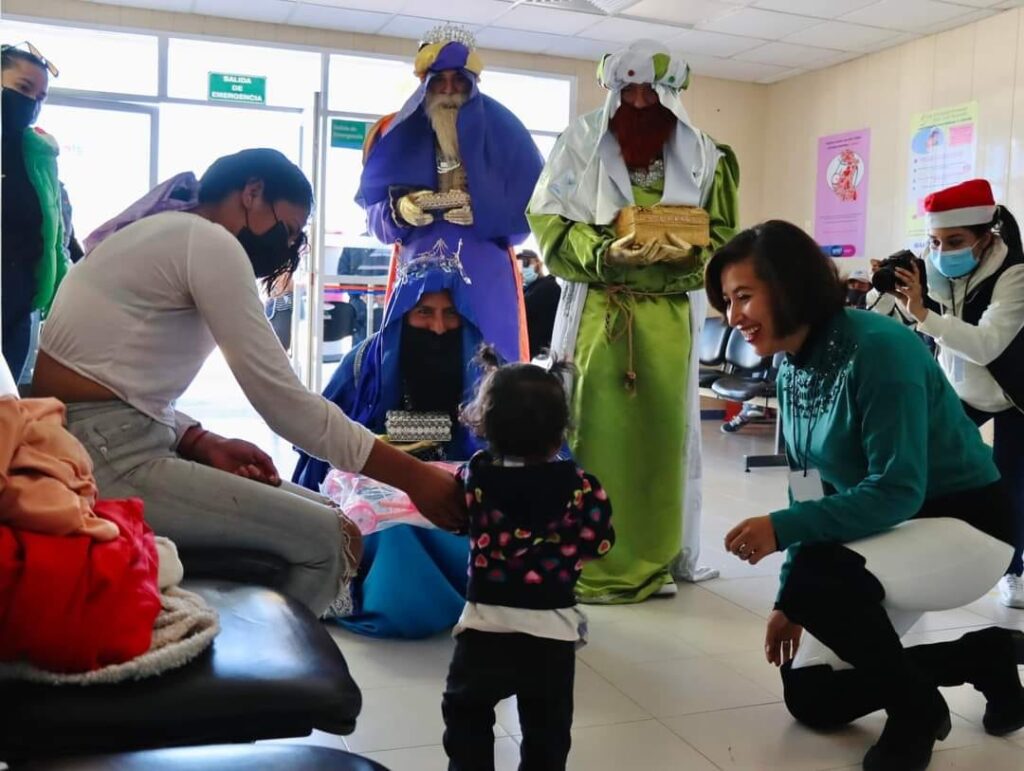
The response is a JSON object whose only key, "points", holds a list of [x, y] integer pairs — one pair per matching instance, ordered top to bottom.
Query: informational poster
{"points": [[943, 151], [841, 197]]}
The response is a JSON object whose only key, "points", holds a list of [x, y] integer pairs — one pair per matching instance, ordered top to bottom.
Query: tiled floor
{"points": [[673, 684], [676, 684]]}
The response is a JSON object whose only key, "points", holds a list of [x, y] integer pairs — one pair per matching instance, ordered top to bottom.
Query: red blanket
{"points": [[72, 603]]}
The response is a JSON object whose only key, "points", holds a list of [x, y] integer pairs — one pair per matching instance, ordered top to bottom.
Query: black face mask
{"points": [[19, 111], [267, 252], [855, 298], [432, 369]]}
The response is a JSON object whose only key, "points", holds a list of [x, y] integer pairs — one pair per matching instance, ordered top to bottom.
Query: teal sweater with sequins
{"points": [[866, 405]]}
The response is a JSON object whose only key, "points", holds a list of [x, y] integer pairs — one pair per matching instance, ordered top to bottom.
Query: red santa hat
{"points": [[969, 203]]}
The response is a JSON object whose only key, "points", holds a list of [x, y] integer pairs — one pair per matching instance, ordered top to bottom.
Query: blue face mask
{"points": [[954, 263], [529, 275]]}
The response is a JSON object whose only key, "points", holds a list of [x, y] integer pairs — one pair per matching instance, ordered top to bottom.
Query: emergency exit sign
{"points": [[225, 87], [348, 133]]}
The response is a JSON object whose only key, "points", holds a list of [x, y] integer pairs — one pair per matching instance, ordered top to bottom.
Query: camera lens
{"points": [[884, 280]]}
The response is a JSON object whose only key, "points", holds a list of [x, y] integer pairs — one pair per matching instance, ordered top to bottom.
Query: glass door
{"points": [[103, 146], [355, 263], [307, 282]]}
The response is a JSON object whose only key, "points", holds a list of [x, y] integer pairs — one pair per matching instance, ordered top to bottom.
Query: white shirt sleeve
{"points": [[223, 287], [998, 325], [182, 423]]}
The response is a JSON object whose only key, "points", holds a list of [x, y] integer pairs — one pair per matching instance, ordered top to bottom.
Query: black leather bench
{"points": [[272, 672], [257, 757]]}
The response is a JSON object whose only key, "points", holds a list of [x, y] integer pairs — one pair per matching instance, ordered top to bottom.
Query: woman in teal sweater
{"points": [[875, 437]]}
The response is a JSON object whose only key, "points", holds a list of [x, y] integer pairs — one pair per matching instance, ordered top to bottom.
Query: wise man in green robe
{"points": [[632, 308]]}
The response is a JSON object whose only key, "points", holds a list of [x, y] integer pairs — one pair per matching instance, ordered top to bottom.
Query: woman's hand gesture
{"points": [[752, 539], [781, 639]]}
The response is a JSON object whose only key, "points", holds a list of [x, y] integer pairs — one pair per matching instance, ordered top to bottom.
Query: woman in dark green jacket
{"points": [[875, 437]]}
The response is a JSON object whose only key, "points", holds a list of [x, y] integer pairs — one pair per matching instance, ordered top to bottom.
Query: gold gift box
{"points": [[452, 199], [653, 223]]}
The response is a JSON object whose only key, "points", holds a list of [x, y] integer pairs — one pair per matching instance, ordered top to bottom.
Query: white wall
{"points": [[981, 61]]}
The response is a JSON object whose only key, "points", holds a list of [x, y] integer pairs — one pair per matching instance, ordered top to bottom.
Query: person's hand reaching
{"points": [[438, 496]]}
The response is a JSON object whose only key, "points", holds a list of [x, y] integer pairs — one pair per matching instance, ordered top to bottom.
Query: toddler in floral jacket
{"points": [[534, 521]]}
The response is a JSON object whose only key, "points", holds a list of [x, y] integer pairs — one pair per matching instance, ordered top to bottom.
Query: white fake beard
{"points": [[443, 114]]}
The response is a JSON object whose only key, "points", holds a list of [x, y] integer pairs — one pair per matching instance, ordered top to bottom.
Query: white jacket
{"points": [[887, 305], [966, 349]]}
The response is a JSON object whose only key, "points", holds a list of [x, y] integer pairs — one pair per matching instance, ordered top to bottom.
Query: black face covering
{"points": [[19, 111], [268, 251], [855, 298], [432, 369]]}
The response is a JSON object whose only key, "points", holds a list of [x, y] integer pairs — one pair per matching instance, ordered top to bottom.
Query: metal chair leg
{"points": [[777, 460]]}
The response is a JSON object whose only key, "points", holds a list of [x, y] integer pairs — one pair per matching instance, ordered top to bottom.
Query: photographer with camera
{"points": [[975, 271], [883, 297]]}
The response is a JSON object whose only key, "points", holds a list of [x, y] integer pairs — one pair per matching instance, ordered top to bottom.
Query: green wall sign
{"points": [[225, 87], [349, 134]]}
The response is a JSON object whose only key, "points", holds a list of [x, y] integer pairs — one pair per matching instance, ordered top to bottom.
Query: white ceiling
{"points": [[763, 41]]}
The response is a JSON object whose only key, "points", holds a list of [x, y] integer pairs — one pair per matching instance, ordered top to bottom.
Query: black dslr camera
{"points": [[885, 280]]}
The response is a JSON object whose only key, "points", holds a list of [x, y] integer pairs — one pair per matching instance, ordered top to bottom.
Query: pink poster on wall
{"points": [[841, 193]]}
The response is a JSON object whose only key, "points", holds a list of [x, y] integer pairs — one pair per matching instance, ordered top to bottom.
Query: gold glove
{"points": [[410, 211], [460, 216], [676, 250], [626, 251]]}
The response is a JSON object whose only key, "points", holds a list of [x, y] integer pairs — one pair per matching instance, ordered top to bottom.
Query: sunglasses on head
{"points": [[35, 53]]}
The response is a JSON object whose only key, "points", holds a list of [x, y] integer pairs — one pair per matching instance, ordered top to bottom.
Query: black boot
{"points": [[830, 592], [996, 653], [987, 659], [909, 735]]}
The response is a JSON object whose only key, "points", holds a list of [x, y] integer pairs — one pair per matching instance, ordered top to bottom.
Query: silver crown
{"points": [[450, 33]]}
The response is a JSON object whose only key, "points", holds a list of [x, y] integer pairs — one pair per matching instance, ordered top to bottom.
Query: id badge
{"points": [[806, 486]]}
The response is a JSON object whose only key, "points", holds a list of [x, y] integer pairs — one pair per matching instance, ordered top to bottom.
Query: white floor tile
{"points": [[756, 594], [993, 610], [948, 619], [712, 624], [612, 644], [695, 662], [388, 663], [753, 666], [684, 686], [597, 703], [967, 703], [400, 718], [767, 737], [315, 739], [646, 746], [991, 756], [433, 758]]}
